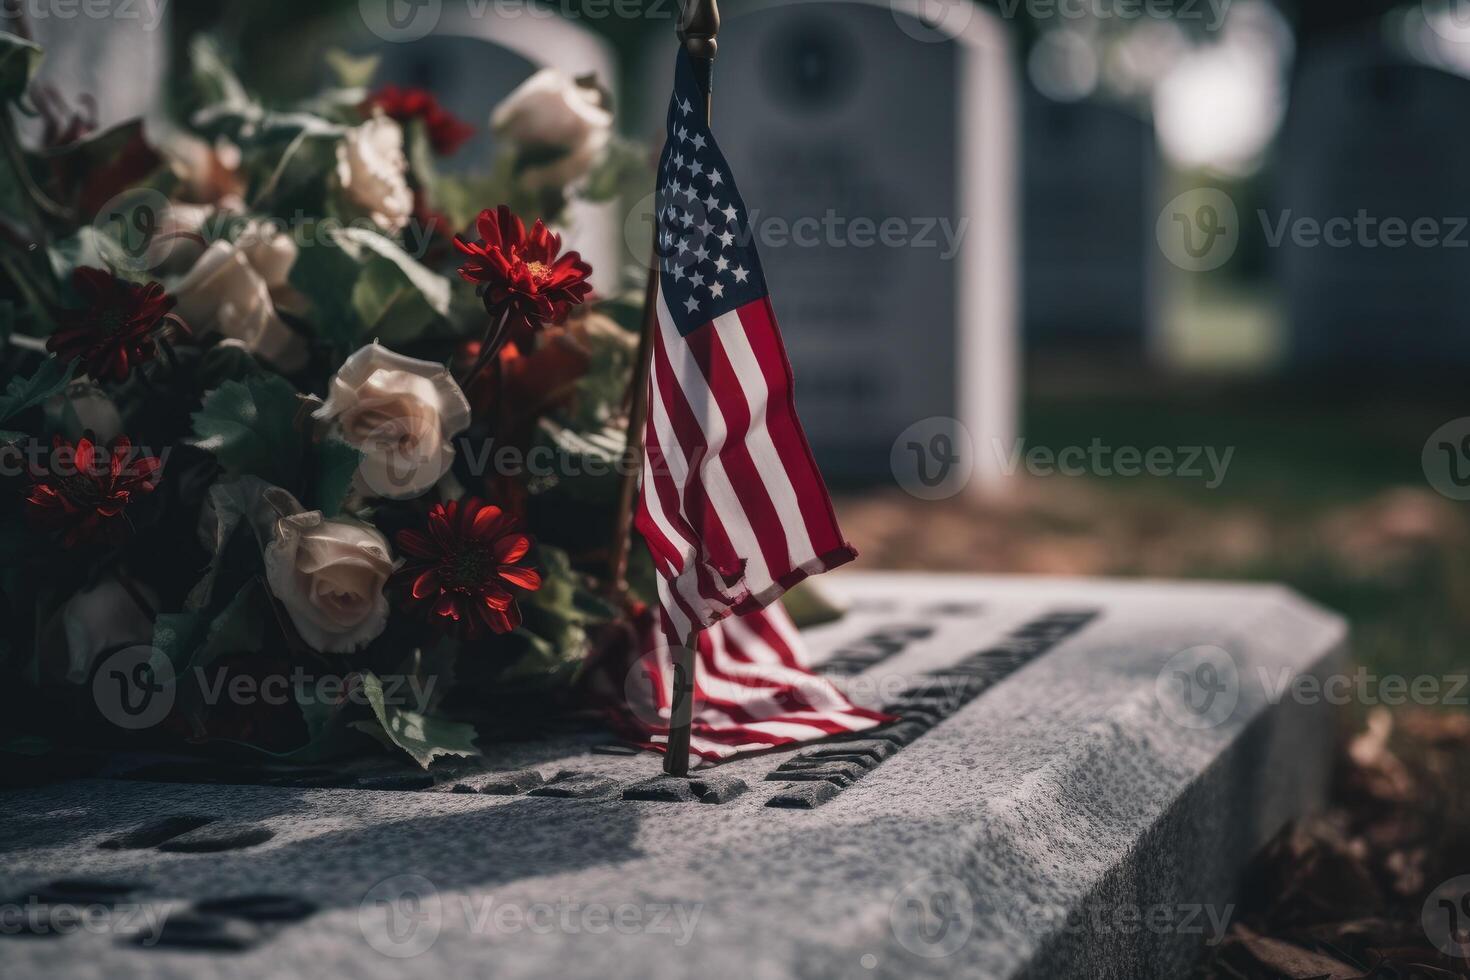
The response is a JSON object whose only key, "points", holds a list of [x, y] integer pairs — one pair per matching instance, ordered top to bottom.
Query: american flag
{"points": [[733, 508]]}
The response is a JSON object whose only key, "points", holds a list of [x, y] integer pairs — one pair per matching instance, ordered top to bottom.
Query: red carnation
{"points": [[446, 133], [528, 283], [114, 332], [87, 488], [458, 572]]}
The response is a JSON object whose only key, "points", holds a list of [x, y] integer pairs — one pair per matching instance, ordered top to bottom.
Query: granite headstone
{"points": [[1374, 154], [1081, 772]]}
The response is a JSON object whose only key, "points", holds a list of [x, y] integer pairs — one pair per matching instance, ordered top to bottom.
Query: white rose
{"points": [[561, 126], [372, 170], [208, 173], [229, 290], [401, 413], [330, 576]]}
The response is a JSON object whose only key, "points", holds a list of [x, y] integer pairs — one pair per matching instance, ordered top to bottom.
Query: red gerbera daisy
{"points": [[446, 133], [528, 283], [114, 332], [87, 488], [460, 570]]}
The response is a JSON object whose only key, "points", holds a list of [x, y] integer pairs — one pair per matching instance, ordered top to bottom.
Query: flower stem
{"points": [[490, 349]]}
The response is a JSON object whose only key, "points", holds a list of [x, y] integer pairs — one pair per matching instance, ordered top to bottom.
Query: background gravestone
{"points": [[119, 60], [473, 62], [860, 110], [1370, 131], [1089, 193]]}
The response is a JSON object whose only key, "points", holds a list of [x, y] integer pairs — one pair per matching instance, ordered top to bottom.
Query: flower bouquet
{"points": [[308, 447]]}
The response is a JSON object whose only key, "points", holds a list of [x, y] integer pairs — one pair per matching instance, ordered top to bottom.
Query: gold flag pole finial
{"points": [[699, 23]]}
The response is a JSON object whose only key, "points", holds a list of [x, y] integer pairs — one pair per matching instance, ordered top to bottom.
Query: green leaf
{"points": [[19, 59], [352, 72], [216, 83], [327, 275], [397, 296], [23, 393], [250, 426], [336, 465], [240, 628], [177, 636], [422, 736]]}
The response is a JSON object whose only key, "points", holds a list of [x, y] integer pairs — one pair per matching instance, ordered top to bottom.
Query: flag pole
{"points": [[699, 24]]}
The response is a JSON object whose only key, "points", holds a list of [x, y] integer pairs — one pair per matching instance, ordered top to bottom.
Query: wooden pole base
{"points": [[681, 713]]}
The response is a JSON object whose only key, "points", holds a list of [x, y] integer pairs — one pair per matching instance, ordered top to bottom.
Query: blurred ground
{"points": [[1326, 493]]}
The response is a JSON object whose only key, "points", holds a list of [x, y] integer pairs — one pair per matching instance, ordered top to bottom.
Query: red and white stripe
{"points": [[733, 507], [735, 513], [752, 690]]}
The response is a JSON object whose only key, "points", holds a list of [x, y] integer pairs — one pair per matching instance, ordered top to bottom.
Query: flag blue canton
{"points": [[705, 248]]}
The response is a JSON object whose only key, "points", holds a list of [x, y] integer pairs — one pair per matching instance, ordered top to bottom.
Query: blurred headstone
{"points": [[471, 58], [105, 61], [1379, 146], [877, 153], [1089, 200]]}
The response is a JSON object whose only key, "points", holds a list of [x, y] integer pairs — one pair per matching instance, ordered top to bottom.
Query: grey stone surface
{"points": [[1083, 781]]}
